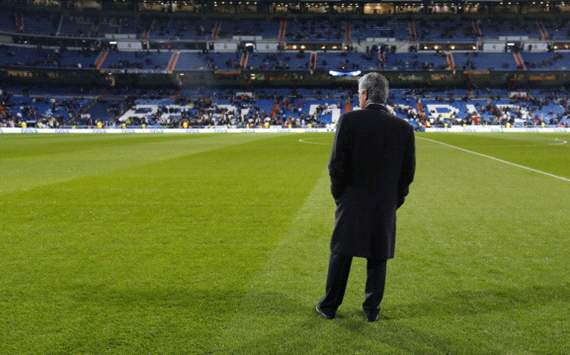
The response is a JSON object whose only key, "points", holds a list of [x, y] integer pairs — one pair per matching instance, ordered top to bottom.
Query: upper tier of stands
{"points": [[292, 30], [314, 30], [449, 30], [308, 34], [17, 56], [47, 58], [137, 60], [281, 61], [414, 61], [478, 61], [547, 61]]}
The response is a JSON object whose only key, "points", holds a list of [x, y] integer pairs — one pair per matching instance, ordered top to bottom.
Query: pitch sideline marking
{"points": [[308, 142], [558, 142], [497, 159]]}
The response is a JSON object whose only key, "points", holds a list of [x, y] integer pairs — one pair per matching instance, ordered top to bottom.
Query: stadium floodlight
{"points": [[341, 74]]}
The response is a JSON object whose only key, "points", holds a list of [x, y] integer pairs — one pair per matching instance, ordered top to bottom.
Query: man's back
{"points": [[378, 153], [371, 167]]}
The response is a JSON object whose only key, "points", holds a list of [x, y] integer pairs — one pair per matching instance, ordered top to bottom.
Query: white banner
{"points": [[454, 129], [491, 129], [160, 130]]}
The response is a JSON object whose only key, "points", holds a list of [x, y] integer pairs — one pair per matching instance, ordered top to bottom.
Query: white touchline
{"points": [[306, 142], [558, 142], [497, 159]]}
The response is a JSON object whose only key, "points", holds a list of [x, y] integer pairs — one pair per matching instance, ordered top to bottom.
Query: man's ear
{"points": [[366, 95]]}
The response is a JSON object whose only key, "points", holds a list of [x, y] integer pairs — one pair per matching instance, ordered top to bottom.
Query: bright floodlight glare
{"points": [[340, 73]]}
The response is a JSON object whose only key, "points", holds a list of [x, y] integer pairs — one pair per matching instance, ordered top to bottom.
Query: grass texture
{"points": [[219, 244]]}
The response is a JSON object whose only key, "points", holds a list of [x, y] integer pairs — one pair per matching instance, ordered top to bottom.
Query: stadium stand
{"points": [[7, 23], [39, 24], [382, 28], [508, 28], [174, 29], [266, 29], [315, 30], [458, 30], [556, 30], [297, 50], [46, 58], [137, 60], [192, 61], [295, 61], [347, 61], [414, 61], [478, 61], [547, 61], [283, 107]]}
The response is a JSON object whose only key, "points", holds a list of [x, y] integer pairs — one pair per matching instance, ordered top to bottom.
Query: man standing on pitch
{"points": [[371, 167]]}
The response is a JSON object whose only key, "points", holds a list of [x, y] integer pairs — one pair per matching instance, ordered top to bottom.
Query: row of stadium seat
{"points": [[294, 30], [295, 61], [201, 107]]}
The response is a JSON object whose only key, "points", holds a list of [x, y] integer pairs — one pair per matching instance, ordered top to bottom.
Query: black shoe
{"points": [[327, 315], [372, 316]]}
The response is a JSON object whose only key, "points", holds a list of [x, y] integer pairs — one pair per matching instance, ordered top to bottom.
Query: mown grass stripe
{"points": [[506, 162], [29, 172], [283, 291]]}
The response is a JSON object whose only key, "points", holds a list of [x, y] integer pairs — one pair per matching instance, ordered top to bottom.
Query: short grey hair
{"points": [[377, 87]]}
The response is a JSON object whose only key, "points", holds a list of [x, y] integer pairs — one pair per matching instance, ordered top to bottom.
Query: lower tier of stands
{"points": [[200, 107]]}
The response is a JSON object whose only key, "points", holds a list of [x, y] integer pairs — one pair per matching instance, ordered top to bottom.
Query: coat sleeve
{"points": [[339, 164], [408, 168]]}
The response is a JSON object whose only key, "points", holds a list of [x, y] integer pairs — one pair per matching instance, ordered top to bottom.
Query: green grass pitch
{"points": [[219, 244]]}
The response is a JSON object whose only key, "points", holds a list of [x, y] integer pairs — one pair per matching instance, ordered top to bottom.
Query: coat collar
{"points": [[376, 107]]}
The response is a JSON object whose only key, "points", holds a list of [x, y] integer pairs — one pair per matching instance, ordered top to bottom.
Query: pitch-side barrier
{"points": [[458, 129], [499, 129], [159, 130]]}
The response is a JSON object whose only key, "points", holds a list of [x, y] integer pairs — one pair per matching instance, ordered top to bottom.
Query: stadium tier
{"points": [[323, 30], [312, 46], [171, 51], [50, 57], [281, 107]]}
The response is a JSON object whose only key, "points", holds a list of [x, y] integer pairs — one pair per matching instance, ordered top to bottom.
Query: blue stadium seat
{"points": [[137, 60], [480, 60], [296, 61], [347, 61], [415, 61], [547, 61]]}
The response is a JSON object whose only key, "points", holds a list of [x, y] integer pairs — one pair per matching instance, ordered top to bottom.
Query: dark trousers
{"points": [[339, 268]]}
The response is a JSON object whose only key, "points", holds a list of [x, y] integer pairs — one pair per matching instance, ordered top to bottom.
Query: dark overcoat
{"points": [[371, 167]]}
